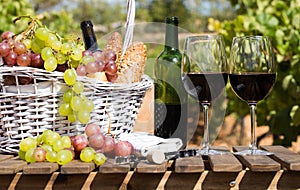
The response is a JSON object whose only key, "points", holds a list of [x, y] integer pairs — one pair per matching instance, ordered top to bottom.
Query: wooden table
{"points": [[228, 171]]}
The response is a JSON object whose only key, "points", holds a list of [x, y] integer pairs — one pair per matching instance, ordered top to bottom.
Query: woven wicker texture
{"points": [[28, 110]]}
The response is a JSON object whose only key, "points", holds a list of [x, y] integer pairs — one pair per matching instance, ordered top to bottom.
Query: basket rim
{"points": [[30, 70], [145, 83]]}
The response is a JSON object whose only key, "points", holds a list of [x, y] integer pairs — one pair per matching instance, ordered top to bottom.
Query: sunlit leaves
{"points": [[280, 20]]}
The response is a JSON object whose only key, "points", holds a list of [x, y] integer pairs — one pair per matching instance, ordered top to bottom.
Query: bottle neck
{"points": [[171, 36], [89, 37]]}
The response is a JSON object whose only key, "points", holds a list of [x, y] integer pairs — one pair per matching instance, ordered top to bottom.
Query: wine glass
{"points": [[204, 75], [252, 76]]}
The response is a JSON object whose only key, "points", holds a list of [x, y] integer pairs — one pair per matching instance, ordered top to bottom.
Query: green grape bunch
{"points": [[37, 46], [55, 50], [50, 146], [53, 147]]}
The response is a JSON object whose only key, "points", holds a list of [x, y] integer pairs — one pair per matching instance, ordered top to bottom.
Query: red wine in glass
{"points": [[205, 87], [252, 87]]}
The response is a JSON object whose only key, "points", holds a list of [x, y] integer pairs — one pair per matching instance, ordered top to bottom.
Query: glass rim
{"points": [[205, 36], [251, 37]]}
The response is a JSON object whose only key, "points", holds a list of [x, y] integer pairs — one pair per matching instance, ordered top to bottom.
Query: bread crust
{"points": [[131, 66]]}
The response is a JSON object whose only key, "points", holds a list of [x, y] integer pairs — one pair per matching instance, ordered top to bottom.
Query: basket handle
{"points": [[129, 25]]}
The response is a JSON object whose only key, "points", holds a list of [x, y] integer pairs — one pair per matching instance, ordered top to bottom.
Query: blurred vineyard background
{"points": [[278, 115]]}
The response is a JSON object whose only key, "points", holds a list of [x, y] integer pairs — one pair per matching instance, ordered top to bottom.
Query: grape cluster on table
{"points": [[93, 146]]}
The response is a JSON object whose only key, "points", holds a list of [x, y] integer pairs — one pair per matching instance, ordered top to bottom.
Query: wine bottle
{"points": [[89, 37], [170, 117]]}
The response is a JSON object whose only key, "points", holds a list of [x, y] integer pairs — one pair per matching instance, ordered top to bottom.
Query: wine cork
{"points": [[156, 157]]}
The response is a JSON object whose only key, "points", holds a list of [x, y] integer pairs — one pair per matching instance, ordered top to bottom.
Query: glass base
{"points": [[210, 151], [253, 152]]}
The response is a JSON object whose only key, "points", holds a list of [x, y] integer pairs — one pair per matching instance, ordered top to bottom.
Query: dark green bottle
{"points": [[89, 37], [170, 117]]}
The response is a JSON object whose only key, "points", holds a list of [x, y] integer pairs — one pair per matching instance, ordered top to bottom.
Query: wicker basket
{"points": [[28, 110]]}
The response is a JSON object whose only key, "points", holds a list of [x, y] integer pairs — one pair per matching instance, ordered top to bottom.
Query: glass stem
{"points": [[205, 145], [253, 145]]}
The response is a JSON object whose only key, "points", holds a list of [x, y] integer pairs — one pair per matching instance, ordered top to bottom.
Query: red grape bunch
{"points": [[41, 48], [18, 52], [99, 65], [105, 143]]}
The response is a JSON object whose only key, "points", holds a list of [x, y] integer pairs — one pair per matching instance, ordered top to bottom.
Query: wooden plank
{"points": [[220, 149], [278, 149], [5, 157], [287, 158], [224, 163], [259, 163], [189, 165], [11, 166], [77, 167], [111, 167], [146, 167], [40, 168], [6, 180], [219, 180], [257, 180], [289, 180], [33, 181], [70, 181], [108, 181], [145, 181], [183, 181]]}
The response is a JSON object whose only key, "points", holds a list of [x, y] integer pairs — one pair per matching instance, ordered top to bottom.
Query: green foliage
{"points": [[11, 9], [159, 10], [100, 12], [57, 21], [281, 21], [62, 22]]}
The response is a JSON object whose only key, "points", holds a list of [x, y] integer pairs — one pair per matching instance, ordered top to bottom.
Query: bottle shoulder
{"points": [[170, 54]]}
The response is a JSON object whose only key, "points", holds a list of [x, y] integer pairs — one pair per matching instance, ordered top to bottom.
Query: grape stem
{"points": [[34, 22], [109, 124]]}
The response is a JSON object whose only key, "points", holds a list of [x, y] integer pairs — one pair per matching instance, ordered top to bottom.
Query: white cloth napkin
{"points": [[144, 143]]}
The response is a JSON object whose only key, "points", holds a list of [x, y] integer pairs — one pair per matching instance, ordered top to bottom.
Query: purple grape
{"points": [[4, 49], [87, 52], [110, 55], [11, 58], [24, 60], [36, 60], [101, 66], [92, 67], [81, 70]]}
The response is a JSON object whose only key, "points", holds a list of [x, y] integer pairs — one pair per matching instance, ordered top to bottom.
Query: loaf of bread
{"points": [[114, 43], [132, 64]]}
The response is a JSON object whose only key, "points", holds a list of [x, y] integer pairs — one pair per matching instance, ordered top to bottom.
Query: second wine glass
{"points": [[204, 75], [252, 77]]}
